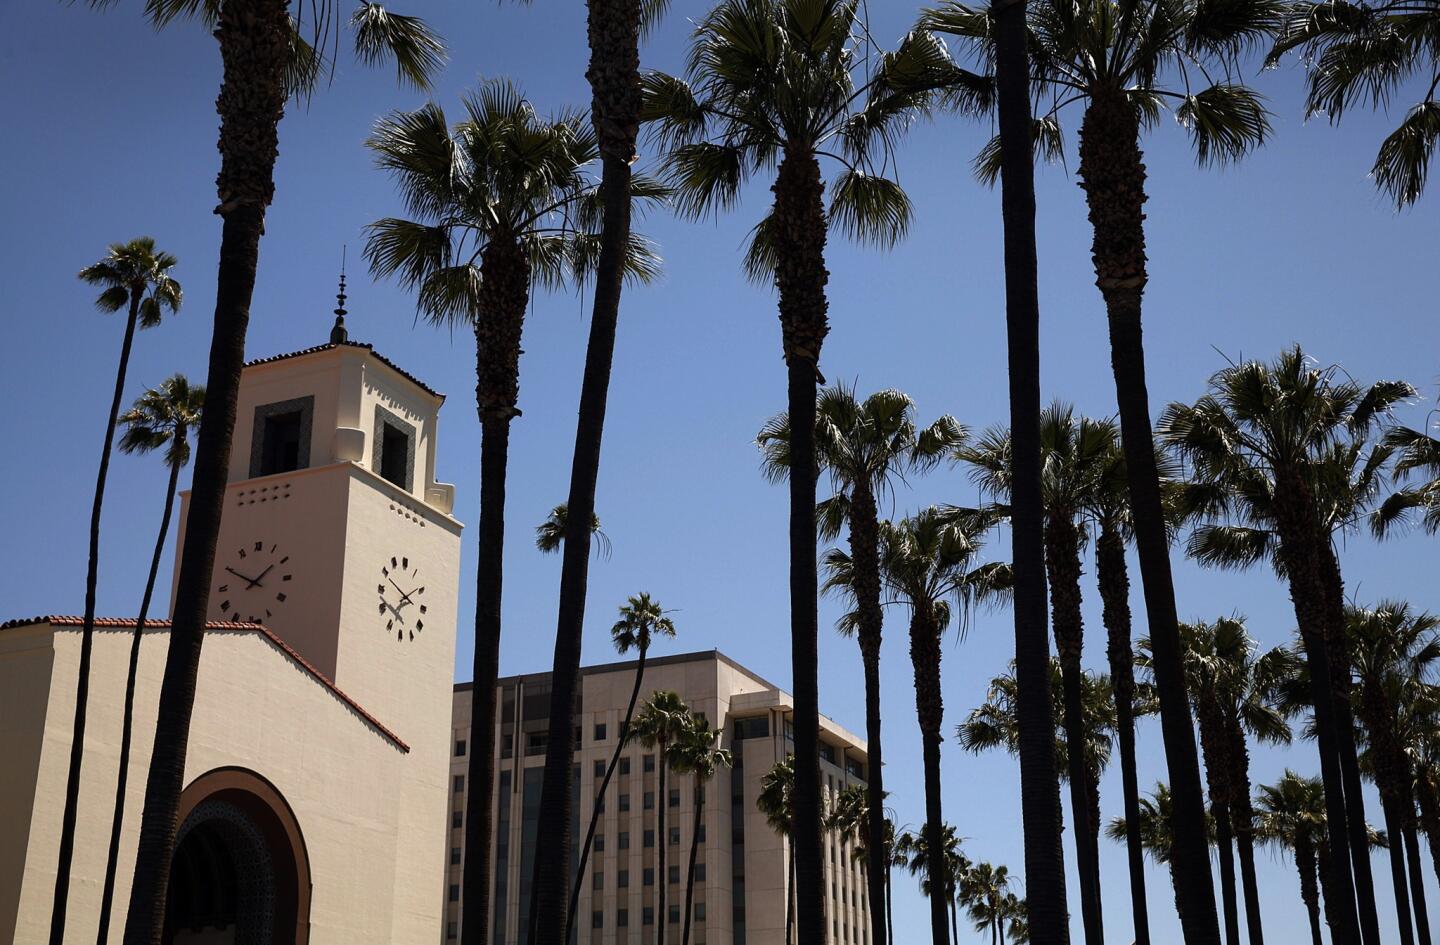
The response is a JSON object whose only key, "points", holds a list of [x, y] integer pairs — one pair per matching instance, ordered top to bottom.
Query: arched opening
{"points": [[240, 875]]}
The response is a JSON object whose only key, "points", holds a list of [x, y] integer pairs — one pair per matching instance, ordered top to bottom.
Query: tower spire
{"points": [[338, 334]]}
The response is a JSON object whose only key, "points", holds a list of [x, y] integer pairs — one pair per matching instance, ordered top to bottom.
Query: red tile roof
{"points": [[352, 344], [225, 626]]}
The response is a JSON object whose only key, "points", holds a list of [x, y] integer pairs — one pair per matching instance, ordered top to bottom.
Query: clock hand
{"points": [[240, 576], [256, 582], [404, 597]]}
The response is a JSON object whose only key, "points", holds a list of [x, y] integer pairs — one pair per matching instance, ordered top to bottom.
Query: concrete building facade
{"points": [[741, 884]]}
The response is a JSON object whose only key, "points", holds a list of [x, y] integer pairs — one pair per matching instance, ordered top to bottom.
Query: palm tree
{"points": [[614, 29], [1354, 52], [266, 58], [1126, 62], [778, 84], [493, 203], [136, 277], [162, 417], [865, 446], [1414, 451], [1074, 455], [1278, 457], [1109, 507], [550, 534], [926, 561], [642, 619], [1395, 652], [1231, 691], [660, 725], [697, 753], [776, 801], [1291, 816], [856, 831], [1157, 832], [950, 867], [983, 892], [1016, 913]]}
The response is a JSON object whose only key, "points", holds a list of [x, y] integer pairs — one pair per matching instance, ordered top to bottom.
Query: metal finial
{"points": [[338, 334]]}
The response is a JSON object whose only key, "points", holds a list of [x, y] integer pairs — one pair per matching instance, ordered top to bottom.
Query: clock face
{"points": [[254, 583], [402, 594]]}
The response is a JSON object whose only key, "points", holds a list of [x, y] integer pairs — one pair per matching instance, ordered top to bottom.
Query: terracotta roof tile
{"points": [[352, 344], [224, 626]]}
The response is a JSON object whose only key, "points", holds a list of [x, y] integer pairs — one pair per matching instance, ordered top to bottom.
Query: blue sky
{"points": [[112, 133]]}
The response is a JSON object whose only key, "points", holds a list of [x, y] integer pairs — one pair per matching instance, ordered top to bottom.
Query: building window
{"points": [[280, 439], [393, 456], [755, 727], [599, 731], [535, 743], [459, 748], [827, 752], [648, 763], [625, 765], [854, 768], [599, 769], [459, 783], [674, 797], [649, 800], [624, 803], [600, 804], [457, 818], [674, 836], [700, 837], [624, 839], [649, 839], [599, 843], [454, 856], [699, 872], [647, 876], [674, 876], [597, 880], [622, 880], [454, 892], [699, 912], [674, 914], [647, 915], [622, 917], [597, 919], [452, 930]]}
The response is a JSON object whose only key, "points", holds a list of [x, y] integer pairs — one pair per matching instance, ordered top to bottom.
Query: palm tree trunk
{"points": [[614, 36], [254, 47], [1112, 174], [800, 277], [504, 296], [1297, 544], [865, 557], [1062, 559], [1328, 568], [1113, 579], [929, 708], [1208, 712], [127, 721], [1039, 783], [604, 787], [1242, 816], [1429, 816], [1225, 848], [1325, 867], [690, 870], [1417, 877], [1398, 878], [662, 881], [789, 891], [1309, 893], [61, 899], [889, 904], [954, 918]]}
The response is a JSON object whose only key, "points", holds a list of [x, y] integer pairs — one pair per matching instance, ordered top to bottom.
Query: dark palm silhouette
{"points": [[135, 277], [662, 724], [697, 753], [776, 801]]}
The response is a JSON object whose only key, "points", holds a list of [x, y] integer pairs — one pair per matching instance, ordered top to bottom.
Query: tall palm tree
{"points": [[614, 29], [1359, 52], [266, 58], [1125, 63], [782, 84], [493, 203], [133, 276], [161, 418], [865, 446], [1074, 454], [1278, 454], [1109, 507], [550, 534], [926, 562], [642, 619], [1395, 654], [1231, 691], [661, 724], [697, 753], [776, 801], [1291, 816], [1157, 833], [1044, 854], [950, 866], [983, 893]]}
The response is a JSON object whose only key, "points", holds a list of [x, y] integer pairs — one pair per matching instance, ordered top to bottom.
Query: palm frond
{"points": [[419, 53], [1225, 122], [870, 208]]}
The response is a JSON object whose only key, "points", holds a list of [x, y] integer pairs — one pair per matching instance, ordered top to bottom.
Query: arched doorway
{"points": [[240, 875]]}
